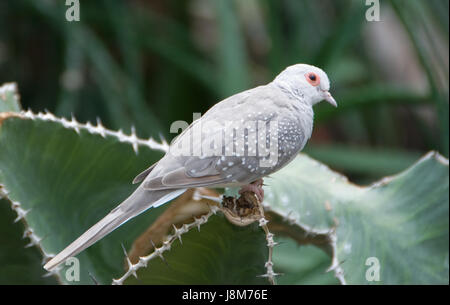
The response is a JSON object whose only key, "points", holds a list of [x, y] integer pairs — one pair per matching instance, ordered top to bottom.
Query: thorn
{"points": [[29, 114], [74, 124], [89, 126], [100, 129], [120, 135], [161, 138], [133, 140], [213, 208], [21, 213], [197, 222], [263, 222], [185, 228], [27, 233], [177, 234], [44, 237], [34, 241], [278, 243], [272, 244], [166, 245], [123, 248], [159, 252], [46, 258], [164, 260], [142, 261], [130, 264], [268, 264], [332, 267], [51, 273], [48, 274], [270, 274], [93, 278]]}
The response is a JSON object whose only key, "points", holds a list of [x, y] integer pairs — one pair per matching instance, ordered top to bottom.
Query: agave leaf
{"points": [[402, 221]]}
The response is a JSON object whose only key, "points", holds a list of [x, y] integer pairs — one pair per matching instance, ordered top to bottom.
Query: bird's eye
{"points": [[312, 78]]}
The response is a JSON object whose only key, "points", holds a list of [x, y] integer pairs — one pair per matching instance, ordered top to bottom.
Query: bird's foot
{"points": [[255, 187], [244, 210]]}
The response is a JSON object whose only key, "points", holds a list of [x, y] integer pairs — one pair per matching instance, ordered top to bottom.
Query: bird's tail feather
{"points": [[137, 203]]}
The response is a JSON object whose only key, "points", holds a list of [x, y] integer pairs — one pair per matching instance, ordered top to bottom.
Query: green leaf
{"points": [[64, 176], [69, 181], [403, 221], [220, 253], [20, 260], [19, 264], [302, 265]]}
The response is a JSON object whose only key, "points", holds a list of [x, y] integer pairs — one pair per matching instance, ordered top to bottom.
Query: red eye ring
{"points": [[312, 78]]}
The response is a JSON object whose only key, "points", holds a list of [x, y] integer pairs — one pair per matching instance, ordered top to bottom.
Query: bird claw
{"points": [[255, 187]]}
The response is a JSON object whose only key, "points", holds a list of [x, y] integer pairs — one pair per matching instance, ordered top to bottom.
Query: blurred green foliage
{"points": [[149, 63]]}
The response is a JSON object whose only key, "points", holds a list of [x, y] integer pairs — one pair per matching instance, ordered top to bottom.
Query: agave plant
{"points": [[60, 176]]}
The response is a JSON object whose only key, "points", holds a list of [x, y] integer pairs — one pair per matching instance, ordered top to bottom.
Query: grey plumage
{"points": [[261, 104], [278, 115]]}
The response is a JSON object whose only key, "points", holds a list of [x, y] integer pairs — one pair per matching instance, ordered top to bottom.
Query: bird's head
{"points": [[307, 82]]}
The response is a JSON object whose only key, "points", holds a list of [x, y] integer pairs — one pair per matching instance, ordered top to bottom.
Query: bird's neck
{"points": [[288, 89], [299, 108]]}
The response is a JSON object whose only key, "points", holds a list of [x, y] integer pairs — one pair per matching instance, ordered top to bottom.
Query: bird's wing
{"points": [[227, 167], [190, 172], [141, 176], [179, 179]]}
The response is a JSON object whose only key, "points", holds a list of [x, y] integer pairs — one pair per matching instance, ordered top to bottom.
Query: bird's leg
{"points": [[254, 187]]}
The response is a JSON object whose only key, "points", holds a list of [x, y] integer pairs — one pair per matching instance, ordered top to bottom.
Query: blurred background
{"points": [[149, 63]]}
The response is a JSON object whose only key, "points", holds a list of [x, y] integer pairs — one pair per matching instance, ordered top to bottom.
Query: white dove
{"points": [[279, 115]]}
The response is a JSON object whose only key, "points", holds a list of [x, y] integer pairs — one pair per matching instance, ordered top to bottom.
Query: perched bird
{"points": [[236, 143]]}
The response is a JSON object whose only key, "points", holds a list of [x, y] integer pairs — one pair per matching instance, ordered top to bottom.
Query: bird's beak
{"points": [[330, 99]]}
